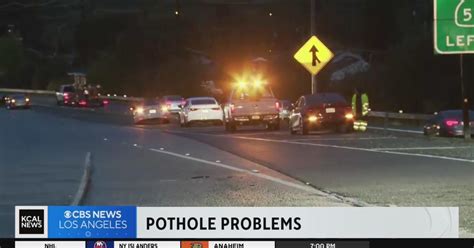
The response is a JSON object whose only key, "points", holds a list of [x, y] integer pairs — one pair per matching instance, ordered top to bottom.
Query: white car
{"points": [[150, 109], [200, 109]]}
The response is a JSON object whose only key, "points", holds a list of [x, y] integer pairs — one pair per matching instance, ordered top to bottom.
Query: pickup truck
{"points": [[251, 105]]}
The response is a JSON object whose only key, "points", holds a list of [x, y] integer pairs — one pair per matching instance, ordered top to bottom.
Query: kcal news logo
{"points": [[30, 222], [92, 222]]}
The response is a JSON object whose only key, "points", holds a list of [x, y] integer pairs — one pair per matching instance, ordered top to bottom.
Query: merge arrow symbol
{"points": [[314, 50]]}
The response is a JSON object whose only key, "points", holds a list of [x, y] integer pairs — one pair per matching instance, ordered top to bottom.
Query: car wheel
{"points": [[230, 126], [276, 126], [303, 128], [292, 131]]}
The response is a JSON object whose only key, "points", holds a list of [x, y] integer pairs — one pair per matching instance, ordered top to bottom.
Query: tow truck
{"points": [[251, 102]]}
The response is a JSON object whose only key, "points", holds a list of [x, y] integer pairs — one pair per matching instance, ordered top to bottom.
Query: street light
{"points": [[176, 12], [270, 14]]}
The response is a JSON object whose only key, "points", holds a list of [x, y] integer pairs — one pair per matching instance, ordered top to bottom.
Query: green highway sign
{"points": [[453, 26]]}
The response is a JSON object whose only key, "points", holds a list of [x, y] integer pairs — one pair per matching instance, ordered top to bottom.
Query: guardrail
{"points": [[49, 92], [401, 116]]}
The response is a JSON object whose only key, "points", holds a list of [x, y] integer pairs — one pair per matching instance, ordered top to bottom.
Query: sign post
{"points": [[313, 32], [454, 34]]}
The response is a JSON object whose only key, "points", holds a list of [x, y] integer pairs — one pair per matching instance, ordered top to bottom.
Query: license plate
{"points": [[330, 110], [152, 111], [205, 111], [255, 117]]}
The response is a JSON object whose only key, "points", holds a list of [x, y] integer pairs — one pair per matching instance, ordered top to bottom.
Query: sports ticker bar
{"points": [[287, 243]]}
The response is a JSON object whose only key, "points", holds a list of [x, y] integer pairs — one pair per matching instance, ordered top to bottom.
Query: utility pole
{"points": [[313, 32], [465, 102]]}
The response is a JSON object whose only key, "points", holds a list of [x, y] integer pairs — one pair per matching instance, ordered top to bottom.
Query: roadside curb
{"points": [[85, 181]]}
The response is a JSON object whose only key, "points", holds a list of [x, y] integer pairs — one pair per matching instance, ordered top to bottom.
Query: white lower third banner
{"points": [[297, 222]]}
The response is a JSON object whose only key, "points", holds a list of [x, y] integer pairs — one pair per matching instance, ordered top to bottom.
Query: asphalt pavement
{"points": [[165, 165]]}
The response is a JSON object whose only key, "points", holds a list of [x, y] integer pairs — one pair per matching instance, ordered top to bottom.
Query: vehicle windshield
{"points": [[69, 89], [173, 98], [330, 98], [150, 102], [203, 102], [457, 114]]}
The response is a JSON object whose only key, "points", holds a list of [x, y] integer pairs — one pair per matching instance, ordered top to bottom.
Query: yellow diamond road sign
{"points": [[313, 55]]}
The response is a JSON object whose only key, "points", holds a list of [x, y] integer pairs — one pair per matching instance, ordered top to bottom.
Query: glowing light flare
{"points": [[139, 110], [312, 118]]}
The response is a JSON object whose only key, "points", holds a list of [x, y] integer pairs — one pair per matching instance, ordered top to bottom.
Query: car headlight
{"points": [[27, 99], [13, 101], [164, 108], [139, 110], [349, 116], [312, 118]]}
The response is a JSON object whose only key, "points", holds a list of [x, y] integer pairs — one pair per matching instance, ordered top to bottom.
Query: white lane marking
{"points": [[396, 130], [344, 138], [339, 147], [422, 148], [358, 149], [428, 156], [233, 168], [85, 180]]}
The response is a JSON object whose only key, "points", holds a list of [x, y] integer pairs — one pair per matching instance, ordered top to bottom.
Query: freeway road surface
{"points": [[43, 151]]}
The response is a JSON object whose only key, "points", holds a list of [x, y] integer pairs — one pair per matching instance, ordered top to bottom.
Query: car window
{"points": [[68, 89], [173, 98], [325, 98], [151, 101], [203, 101]]}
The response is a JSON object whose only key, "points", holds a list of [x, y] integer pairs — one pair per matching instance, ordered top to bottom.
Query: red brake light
{"points": [[66, 96], [82, 102], [105, 102], [277, 105], [232, 108], [451, 123]]}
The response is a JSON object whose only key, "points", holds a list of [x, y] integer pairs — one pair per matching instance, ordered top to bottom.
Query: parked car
{"points": [[66, 95], [16, 101], [172, 102], [251, 104], [150, 109], [200, 109], [319, 111], [448, 123]]}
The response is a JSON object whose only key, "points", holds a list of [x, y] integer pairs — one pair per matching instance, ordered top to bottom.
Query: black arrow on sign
{"points": [[314, 50]]}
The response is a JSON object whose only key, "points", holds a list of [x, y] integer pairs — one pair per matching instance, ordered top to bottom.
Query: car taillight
{"points": [[66, 96], [82, 102], [105, 102], [277, 105], [232, 108], [451, 123]]}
